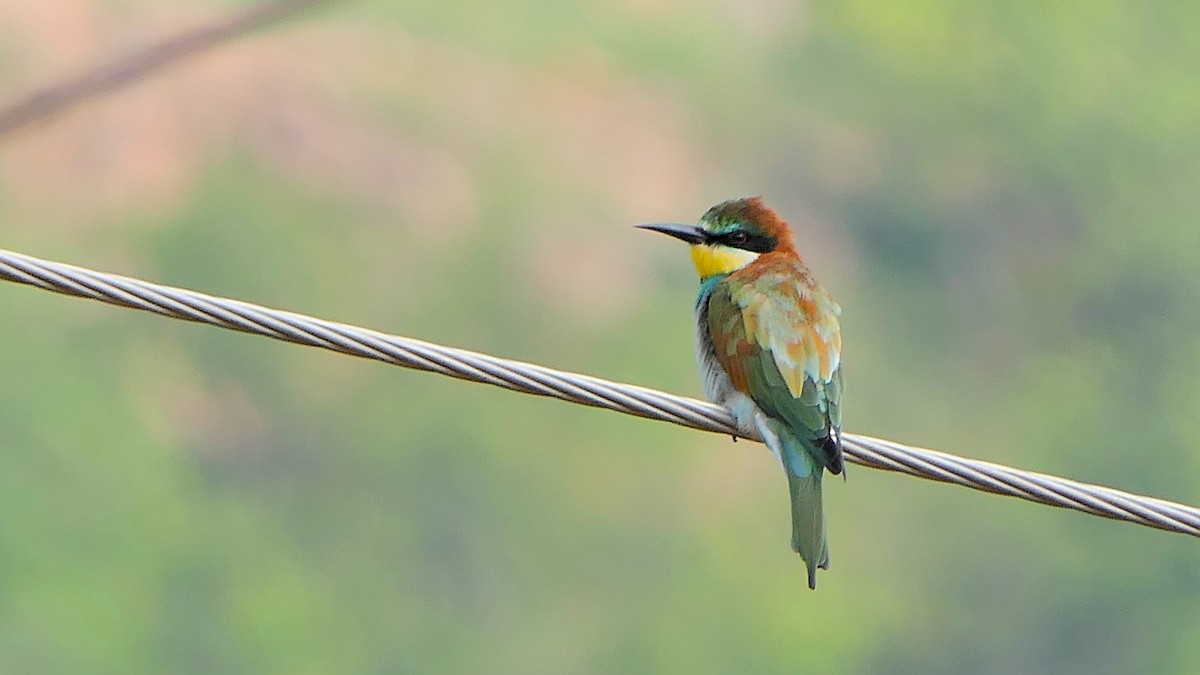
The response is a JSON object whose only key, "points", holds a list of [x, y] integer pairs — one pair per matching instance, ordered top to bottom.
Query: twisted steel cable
{"points": [[534, 379]]}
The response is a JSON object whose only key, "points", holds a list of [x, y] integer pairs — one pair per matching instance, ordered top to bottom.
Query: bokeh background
{"points": [[1004, 197]]}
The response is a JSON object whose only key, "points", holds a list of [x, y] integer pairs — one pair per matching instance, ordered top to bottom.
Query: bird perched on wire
{"points": [[769, 347]]}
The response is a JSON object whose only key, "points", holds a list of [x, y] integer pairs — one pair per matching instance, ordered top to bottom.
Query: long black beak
{"points": [[689, 233]]}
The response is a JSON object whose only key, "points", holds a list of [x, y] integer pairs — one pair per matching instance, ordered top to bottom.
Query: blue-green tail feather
{"points": [[804, 473]]}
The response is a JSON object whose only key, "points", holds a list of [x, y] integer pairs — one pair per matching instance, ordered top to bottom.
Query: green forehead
{"points": [[728, 216]]}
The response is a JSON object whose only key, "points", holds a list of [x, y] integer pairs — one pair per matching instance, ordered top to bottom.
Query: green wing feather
{"points": [[771, 349]]}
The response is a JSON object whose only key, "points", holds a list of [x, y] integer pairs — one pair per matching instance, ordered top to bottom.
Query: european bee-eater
{"points": [[769, 347]]}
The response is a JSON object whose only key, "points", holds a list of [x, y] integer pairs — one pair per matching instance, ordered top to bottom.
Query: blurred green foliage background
{"points": [[1002, 195]]}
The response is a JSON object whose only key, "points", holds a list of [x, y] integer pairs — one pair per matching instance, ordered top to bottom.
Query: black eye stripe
{"points": [[758, 243]]}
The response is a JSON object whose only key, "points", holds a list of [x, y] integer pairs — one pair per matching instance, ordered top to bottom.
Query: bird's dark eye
{"points": [[738, 238]]}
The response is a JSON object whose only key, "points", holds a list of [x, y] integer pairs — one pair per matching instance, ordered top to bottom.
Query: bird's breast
{"points": [[718, 387]]}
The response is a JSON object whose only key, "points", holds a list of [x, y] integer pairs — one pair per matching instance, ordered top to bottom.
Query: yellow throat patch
{"points": [[712, 260]]}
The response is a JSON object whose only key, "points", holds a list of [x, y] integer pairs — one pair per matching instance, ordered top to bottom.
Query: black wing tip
{"points": [[831, 447]]}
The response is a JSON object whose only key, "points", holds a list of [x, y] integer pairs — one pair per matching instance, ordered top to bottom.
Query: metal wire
{"points": [[534, 379]]}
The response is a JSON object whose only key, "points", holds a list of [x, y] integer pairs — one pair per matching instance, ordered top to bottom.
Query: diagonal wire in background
{"points": [[47, 103], [534, 379]]}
